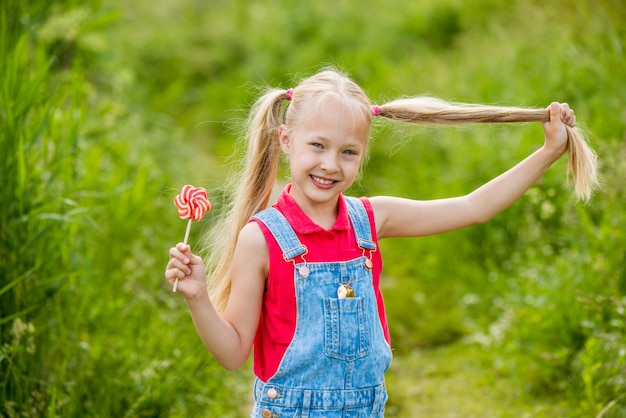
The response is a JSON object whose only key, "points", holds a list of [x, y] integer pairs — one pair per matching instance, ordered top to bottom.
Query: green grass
{"points": [[108, 108], [461, 381]]}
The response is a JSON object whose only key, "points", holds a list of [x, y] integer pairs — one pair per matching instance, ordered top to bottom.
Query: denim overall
{"points": [[335, 364]]}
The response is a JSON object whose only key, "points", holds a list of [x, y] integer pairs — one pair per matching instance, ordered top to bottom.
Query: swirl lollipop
{"points": [[192, 204]]}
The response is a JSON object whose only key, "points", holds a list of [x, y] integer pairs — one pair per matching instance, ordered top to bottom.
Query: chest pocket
{"points": [[347, 333]]}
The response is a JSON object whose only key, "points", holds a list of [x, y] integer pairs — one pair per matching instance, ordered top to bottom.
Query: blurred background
{"points": [[108, 107]]}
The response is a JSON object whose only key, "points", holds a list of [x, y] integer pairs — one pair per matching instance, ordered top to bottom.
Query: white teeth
{"points": [[322, 181]]}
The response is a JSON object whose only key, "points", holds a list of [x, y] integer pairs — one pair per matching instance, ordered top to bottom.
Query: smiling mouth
{"points": [[322, 181]]}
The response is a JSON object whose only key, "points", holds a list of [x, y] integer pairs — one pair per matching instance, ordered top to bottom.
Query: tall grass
{"points": [[37, 137], [83, 236]]}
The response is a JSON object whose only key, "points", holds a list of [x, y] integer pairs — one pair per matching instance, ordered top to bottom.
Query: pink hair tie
{"points": [[289, 94], [376, 110]]}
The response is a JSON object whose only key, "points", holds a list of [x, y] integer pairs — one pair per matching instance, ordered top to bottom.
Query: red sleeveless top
{"points": [[277, 324]]}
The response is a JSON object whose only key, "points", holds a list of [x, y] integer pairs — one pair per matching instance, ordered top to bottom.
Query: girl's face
{"points": [[325, 150]]}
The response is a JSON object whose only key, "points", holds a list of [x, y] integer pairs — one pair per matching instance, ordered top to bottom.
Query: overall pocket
{"points": [[346, 328]]}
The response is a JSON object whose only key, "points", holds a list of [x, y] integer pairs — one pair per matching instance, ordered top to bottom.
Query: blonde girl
{"points": [[299, 281]]}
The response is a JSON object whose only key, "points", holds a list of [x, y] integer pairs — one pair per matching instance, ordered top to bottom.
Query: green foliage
{"points": [[107, 108], [37, 138], [83, 197]]}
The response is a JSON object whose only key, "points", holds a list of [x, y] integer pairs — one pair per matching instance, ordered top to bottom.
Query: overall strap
{"points": [[360, 223], [282, 232]]}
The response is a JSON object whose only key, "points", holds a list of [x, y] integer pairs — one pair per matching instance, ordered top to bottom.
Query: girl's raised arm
{"points": [[397, 217]]}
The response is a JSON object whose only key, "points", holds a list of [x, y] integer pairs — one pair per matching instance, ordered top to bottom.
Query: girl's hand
{"points": [[554, 130], [189, 270]]}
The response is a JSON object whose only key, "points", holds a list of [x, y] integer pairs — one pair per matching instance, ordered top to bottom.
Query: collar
{"points": [[301, 223]]}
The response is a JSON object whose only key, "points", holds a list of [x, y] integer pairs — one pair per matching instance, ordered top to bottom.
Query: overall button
{"points": [[304, 272], [272, 394], [266, 413]]}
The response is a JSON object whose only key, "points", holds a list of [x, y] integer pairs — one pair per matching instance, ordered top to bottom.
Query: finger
{"points": [[555, 112], [567, 115], [183, 248], [176, 253], [195, 259], [177, 264], [173, 274]]}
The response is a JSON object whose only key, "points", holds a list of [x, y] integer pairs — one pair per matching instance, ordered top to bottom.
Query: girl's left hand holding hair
{"points": [[554, 129]]}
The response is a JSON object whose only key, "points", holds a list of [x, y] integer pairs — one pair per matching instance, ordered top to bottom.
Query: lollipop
{"points": [[192, 204]]}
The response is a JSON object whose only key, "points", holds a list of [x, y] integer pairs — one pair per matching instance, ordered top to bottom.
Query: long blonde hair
{"points": [[254, 185]]}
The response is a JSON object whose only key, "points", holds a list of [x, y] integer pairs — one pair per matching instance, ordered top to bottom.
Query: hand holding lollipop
{"points": [[192, 204]]}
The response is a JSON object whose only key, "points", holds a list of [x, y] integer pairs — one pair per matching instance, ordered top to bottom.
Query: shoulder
{"points": [[386, 210], [252, 237], [251, 250]]}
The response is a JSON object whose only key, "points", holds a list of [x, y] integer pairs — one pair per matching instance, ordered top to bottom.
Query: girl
{"points": [[300, 281]]}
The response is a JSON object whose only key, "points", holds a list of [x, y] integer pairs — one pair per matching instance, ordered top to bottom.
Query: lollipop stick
{"points": [[187, 232], [184, 242]]}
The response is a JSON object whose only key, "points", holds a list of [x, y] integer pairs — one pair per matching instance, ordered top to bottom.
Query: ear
{"points": [[283, 138]]}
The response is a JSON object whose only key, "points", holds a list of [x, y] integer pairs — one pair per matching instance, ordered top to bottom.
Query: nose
{"points": [[328, 163]]}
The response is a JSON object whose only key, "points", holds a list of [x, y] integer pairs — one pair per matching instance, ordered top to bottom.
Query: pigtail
{"points": [[582, 160], [582, 164], [252, 191]]}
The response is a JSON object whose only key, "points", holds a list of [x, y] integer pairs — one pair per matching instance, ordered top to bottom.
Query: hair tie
{"points": [[289, 94], [376, 110]]}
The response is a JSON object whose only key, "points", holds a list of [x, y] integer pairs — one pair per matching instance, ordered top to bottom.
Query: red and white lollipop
{"points": [[192, 204]]}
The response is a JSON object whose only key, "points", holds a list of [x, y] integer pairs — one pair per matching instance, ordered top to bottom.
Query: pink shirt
{"points": [[278, 314]]}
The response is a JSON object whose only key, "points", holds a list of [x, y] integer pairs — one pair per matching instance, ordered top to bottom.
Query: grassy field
{"points": [[108, 108], [459, 381]]}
